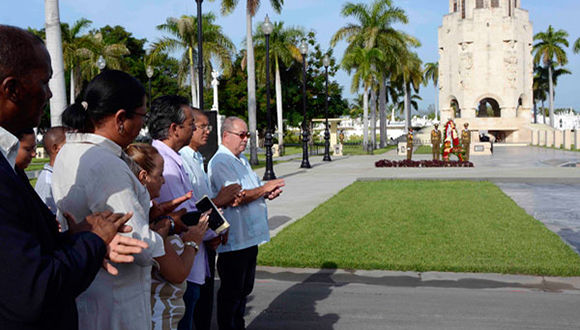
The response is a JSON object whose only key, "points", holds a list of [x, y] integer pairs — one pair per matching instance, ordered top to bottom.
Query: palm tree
{"points": [[227, 6], [374, 29], [183, 38], [54, 46], [96, 46], [577, 46], [75, 49], [283, 49], [549, 50], [363, 61], [431, 73], [409, 74], [541, 85], [539, 88], [412, 102]]}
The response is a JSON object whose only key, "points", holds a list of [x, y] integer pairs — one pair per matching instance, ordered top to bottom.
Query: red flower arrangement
{"points": [[421, 163]]}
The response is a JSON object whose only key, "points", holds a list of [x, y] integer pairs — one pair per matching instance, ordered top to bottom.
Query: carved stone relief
{"points": [[511, 63]]}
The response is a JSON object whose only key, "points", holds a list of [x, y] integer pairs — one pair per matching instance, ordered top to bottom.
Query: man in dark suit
{"points": [[41, 270]]}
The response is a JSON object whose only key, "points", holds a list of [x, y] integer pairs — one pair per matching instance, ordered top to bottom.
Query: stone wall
{"points": [[567, 139]]}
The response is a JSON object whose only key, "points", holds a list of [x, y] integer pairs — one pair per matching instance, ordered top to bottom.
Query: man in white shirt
{"points": [[52, 141], [194, 165], [248, 222]]}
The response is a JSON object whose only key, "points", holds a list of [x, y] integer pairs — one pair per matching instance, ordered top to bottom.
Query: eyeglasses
{"points": [[144, 115], [209, 128], [241, 134]]}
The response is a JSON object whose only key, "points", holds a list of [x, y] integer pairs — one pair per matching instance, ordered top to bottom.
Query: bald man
{"points": [[53, 140]]}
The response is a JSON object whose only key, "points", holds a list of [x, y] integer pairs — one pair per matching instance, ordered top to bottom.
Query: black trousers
{"points": [[237, 270], [204, 306]]}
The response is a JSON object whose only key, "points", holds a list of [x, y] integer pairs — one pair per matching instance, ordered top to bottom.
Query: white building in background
{"points": [[486, 68], [566, 120], [351, 127]]}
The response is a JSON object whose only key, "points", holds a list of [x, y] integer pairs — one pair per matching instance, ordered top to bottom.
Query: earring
{"points": [[121, 129]]}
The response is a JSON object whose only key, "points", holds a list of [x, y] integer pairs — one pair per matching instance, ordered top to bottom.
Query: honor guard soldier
{"points": [[466, 140], [436, 142], [409, 143]]}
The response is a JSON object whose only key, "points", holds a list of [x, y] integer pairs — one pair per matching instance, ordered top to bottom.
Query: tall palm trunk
{"points": [[54, 46], [72, 86], [251, 89], [551, 96], [194, 100], [406, 106], [279, 109], [383, 111], [535, 112], [543, 113], [366, 119], [373, 119]]}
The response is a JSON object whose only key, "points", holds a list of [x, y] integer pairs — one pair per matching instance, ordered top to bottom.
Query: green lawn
{"points": [[292, 150], [358, 150], [423, 150], [413, 226]]}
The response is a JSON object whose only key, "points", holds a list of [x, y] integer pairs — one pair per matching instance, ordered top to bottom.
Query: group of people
{"points": [[436, 141], [101, 243]]}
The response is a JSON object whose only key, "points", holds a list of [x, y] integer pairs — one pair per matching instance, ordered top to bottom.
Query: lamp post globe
{"points": [[267, 28], [101, 63], [149, 72], [326, 158], [305, 163]]}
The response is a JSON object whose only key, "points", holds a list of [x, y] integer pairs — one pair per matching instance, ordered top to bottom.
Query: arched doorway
{"points": [[488, 107], [455, 108]]}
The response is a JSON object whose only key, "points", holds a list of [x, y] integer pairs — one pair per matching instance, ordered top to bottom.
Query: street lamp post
{"points": [[267, 28], [199, 54], [101, 63], [326, 63], [149, 72], [305, 163]]}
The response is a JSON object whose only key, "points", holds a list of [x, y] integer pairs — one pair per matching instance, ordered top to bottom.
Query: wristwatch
{"points": [[192, 244]]}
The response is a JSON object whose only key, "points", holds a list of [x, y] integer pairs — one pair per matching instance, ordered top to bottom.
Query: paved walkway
{"points": [[336, 299]]}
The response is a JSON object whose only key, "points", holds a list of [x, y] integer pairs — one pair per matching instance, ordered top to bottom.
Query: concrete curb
{"points": [[485, 281]]}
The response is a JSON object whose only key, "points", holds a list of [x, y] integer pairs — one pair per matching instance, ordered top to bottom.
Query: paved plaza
{"points": [[538, 179]]}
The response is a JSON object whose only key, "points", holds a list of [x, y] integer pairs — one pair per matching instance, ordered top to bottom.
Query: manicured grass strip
{"points": [[358, 150], [423, 150], [40, 160], [35, 167], [452, 226]]}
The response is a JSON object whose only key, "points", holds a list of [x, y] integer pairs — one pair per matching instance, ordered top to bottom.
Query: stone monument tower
{"points": [[486, 68]]}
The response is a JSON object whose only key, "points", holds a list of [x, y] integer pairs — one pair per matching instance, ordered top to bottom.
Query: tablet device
{"points": [[217, 222]]}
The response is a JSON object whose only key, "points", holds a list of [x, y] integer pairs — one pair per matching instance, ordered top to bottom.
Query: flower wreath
{"points": [[451, 144]]}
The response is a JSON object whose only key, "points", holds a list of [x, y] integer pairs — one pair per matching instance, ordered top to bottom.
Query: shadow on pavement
{"points": [[404, 281], [295, 308]]}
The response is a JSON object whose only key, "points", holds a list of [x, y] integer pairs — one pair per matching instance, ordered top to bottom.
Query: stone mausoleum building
{"points": [[486, 68]]}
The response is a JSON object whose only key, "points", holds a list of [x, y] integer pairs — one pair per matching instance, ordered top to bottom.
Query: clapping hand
{"points": [[273, 188], [228, 195], [161, 209], [107, 225]]}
